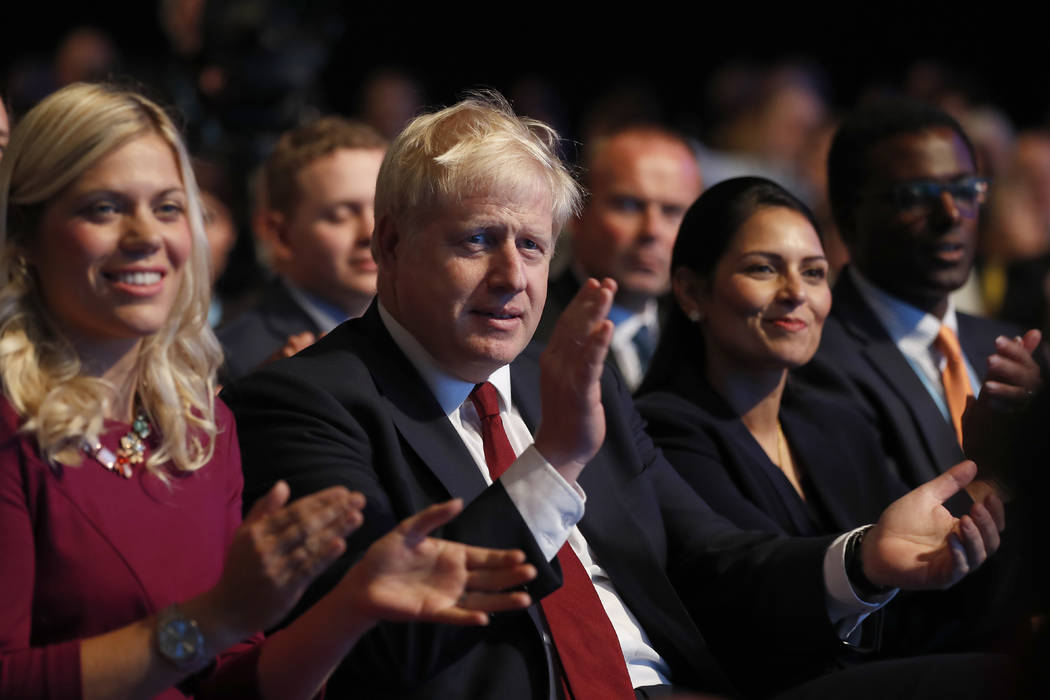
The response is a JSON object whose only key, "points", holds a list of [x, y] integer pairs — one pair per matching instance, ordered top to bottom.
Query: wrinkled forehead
{"points": [[521, 189]]}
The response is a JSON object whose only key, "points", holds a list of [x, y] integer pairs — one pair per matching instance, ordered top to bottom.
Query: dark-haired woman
{"points": [[751, 292]]}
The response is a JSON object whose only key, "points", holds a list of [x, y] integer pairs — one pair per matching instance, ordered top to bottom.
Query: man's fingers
{"points": [[589, 307], [1031, 340], [595, 350], [1022, 373], [1008, 392], [948, 484], [997, 510], [987, 527], [416, 528], [972, 541], [484, 558], [960, 559], [500, 579], [495, 602], [458, 616]]}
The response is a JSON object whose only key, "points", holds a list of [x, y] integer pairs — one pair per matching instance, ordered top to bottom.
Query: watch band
{"points": [[855, 566]]}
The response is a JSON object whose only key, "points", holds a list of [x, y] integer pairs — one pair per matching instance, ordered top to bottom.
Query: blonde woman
{"points": [[124, 568]]}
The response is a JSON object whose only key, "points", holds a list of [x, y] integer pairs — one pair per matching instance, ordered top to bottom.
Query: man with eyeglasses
{"points": [[905, 194]]}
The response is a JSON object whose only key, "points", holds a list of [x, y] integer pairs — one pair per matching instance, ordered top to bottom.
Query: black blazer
{"points": [[560, 292], [251, 337], [858, 361], [352, 410], [844, 474], [846, 484]]}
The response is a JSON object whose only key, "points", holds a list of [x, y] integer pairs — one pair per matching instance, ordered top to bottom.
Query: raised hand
{"points": [[1013, 376], [989, 423], [573, 425], [917, 544], [279, 550], [407, 576]]}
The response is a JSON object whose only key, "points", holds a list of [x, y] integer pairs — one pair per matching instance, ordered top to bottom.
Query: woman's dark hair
{"points": [[703, 238]]}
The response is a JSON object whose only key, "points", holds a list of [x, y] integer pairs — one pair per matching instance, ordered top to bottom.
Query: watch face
{"points": [[179, 639]]}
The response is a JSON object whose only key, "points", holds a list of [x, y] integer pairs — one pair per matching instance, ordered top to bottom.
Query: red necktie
{"points": [[954, 376], [591, 659]]}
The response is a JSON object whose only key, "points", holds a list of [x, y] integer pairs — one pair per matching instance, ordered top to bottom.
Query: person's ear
{"points": [[272, 231], [385, 242], [691, 292]]}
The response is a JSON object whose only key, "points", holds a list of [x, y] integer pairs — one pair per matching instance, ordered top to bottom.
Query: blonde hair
{"points": [[470, 147], [174, 376]]}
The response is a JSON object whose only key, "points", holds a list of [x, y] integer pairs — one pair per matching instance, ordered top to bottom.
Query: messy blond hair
{"points": [[472, 146], [174, 376]]}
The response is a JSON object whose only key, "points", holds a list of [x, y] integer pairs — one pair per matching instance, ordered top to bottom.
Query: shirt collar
{"points": [[326, 315], [623, 317], [908, 326], [449, 391]]}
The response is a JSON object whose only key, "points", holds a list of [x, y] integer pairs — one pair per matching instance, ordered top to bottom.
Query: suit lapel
{"points": [[977, 346], [885, 359], [416, 412], [829, 479], [620, 546], [625, 553]]}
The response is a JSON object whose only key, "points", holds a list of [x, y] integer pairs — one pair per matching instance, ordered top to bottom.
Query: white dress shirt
{"points": [[626, 325], [914, 331], [551, 507]]}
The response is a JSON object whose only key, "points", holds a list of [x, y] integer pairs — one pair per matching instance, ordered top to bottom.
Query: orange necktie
{"points": [[954, 377]]}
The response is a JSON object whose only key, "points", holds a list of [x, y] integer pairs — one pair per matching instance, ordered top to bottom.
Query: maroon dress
{"points": [[84, 551]]}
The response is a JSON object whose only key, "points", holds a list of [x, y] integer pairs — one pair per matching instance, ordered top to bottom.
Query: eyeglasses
{"points": [[921, 196]]}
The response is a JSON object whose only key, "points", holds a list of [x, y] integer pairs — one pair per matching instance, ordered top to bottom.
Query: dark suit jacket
{"points": [[560, 291], [250, 338], [858, 361], [352, 410], [844, 474], [847, 485]]}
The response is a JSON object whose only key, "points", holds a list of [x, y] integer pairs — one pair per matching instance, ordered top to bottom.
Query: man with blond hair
{"points": [[315, 226], [432, 394]]}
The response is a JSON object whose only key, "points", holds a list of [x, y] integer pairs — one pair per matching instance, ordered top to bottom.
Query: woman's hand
{"points": [[918, 545], [279, 550], [407, 576]]}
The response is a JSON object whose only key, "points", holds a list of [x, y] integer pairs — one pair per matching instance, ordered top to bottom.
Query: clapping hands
{"points": [[918, 545], [407, 576]]}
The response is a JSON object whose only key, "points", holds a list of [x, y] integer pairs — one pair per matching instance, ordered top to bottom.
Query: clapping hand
{"points": [[989, 423], [573, 425], [918, 545], [279, 550], [407, 576]]}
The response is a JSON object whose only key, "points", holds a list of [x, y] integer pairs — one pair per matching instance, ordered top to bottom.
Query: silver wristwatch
{"points": [[179, 639]]}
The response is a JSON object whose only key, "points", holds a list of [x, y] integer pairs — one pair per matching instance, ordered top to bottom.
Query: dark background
{"points": [[998, 50]]}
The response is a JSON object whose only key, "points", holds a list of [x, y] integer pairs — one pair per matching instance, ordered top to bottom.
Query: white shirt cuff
{"points": [[548, 504], [845, 608]]}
